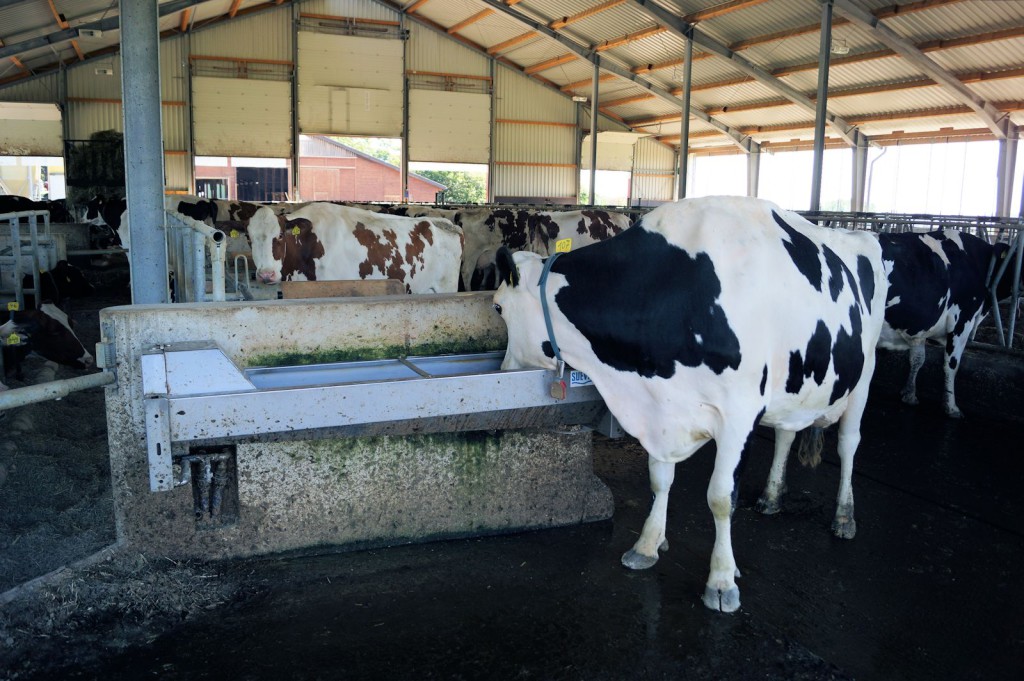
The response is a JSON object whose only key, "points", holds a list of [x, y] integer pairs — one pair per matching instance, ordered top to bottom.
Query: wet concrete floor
{"points": [[931, 587]]}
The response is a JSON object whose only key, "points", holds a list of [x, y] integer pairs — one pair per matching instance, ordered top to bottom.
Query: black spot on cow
{"points": [[200, 210], [598, 224], [513, 225], [802, 252], [506, 268], [835, 272], [866, 277], [920, 282], [645, 304], [547, 349], [847, 356], [813, 363], [764, 378]]}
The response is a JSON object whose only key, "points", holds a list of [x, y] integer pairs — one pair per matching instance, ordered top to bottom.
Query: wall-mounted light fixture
{"points": [[579, 98]]}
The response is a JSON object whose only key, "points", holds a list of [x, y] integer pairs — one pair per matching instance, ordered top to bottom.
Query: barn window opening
{"points": [[40, 178], [243, 178], [459, 183], [611, 188]]}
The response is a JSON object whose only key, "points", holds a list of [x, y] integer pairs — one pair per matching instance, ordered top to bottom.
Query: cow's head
{"points": [[282, 248], [517, 300], [49, 334]]}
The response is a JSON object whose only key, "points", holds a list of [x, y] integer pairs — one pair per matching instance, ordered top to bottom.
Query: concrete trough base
{"points": [[337, 491]]}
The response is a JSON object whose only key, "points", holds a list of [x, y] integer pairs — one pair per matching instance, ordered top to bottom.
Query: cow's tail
{"points": [[812, 440]]}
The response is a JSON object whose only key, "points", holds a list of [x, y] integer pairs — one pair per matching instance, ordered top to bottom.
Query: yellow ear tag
{"points": [[295, 231], [234, 234], [563, 245], [12, 307], [13, 339]]}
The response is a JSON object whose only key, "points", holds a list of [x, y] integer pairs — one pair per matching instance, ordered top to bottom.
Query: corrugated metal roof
{"points": [[749, 30]]}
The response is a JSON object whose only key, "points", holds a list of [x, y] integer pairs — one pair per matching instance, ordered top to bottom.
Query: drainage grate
{"points": [[213, 474]]}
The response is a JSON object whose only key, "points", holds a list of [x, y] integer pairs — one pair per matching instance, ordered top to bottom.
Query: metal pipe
{"points": [[821, 105], [405, 112], [684, 125], [593, 132], [296, 144], [144, 179], [33, 231], [218, 252], [198, 267], [19, 293], [53, 390]]}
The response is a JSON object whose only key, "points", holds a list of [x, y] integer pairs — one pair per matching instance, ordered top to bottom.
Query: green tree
{"points": [[385, 149], [463, 187]]}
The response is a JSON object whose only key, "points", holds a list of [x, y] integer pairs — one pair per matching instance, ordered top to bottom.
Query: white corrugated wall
{"points": [[363, 9], [267, 35], [428, 50], [40, 89], [547, 152], [654, 167]]}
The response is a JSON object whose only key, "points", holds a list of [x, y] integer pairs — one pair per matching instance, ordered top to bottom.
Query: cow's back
{"points": [[424, 253], [937, 281], [721, 294]]}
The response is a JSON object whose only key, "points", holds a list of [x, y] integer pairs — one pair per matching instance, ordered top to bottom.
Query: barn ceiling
{"points": [[900, 71]]}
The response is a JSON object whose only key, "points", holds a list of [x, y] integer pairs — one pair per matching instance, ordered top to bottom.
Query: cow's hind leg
{"points": [[955, 344], [916, 353], [776, 485], [844, 525], [644, 553], [721, 592]]}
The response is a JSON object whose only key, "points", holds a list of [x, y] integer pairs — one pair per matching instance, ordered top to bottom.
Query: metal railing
{"points": [[189, 242], [18, 252]]}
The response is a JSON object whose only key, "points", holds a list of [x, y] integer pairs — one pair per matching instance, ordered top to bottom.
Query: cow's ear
{"points": [[507, 271]]}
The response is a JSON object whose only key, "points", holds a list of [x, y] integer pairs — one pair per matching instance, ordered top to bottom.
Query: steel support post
{"points": [[493, 69], [821, 104], [405, 112], [684, 125], [593, 131], [296, 144], [143, 149], [753, 172], [1004, 173], [860, 174]]}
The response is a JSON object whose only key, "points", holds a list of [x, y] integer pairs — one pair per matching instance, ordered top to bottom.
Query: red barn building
{"points": [[328, 171]]}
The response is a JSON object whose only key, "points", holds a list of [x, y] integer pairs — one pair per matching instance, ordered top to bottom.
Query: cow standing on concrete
{"points": [[324, 241], [938, 288], [673, 322]]}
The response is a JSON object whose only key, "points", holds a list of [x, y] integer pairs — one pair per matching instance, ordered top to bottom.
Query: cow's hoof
{"points": [[909, 398], [954, 413], [768, 506], [844, 527], [638, 561], [725, 601]]}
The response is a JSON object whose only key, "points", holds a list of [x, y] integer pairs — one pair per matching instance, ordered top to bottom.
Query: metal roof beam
{"points": [[109, 24], [681, 28], [996, 121], [740, 140]]}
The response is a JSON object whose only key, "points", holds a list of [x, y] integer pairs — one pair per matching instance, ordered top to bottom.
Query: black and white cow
{"points": [[57, 285], [939, 289], [673, 322], [45, 332]]}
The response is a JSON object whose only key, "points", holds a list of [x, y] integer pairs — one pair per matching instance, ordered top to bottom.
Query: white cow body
{"points": [[325, 241], [689, 331]]}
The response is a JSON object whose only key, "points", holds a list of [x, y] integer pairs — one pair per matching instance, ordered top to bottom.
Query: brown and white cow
{"points": [[324, 241]]}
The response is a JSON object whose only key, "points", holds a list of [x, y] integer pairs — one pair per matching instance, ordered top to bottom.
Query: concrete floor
{"points": [[931, 588]]}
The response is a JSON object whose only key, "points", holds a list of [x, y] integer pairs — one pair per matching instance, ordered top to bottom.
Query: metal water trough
{"points": [[195, 395]]}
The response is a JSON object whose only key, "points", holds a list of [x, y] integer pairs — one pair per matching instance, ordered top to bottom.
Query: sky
{"points": [[941, 179]]}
